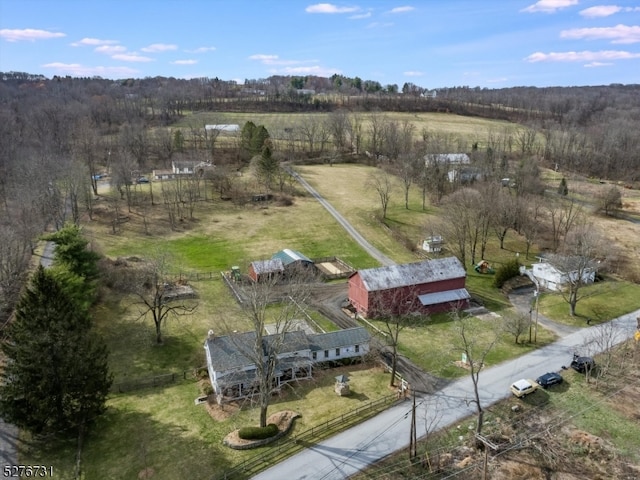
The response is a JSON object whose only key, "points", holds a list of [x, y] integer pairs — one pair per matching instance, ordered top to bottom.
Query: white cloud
{"points": [[549, 6], [329, 8], [401, 9], [600, 11], [360, 16], [380, 25], [28, 34], [618, 34], [91, 42], [159, 47], [110, 49], [201, 50], [584, 56], [131, 57], [276, 60], [185, 62], [598, 64], [77, 70], [310, 70], [412, 73]]}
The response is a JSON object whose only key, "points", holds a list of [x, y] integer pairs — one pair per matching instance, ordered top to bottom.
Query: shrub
{"points": [[506, 272], [258, 433]]}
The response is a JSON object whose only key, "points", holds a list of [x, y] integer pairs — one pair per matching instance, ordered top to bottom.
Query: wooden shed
{"points": [[295, 263], [261, 270], [425, 287]]}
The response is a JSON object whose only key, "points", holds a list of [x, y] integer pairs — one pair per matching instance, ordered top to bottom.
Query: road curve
{"points": [[371, 250]]}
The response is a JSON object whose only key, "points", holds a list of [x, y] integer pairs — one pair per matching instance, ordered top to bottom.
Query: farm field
{"points": [[139, 424]]}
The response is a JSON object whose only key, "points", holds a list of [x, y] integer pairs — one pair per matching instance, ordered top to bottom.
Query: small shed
{"points": [[433, 244], [261, 270], [342, 385]]}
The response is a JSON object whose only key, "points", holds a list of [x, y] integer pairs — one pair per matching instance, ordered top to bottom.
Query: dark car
{"points": [[143, 180], [582, 364], [549, 379]]}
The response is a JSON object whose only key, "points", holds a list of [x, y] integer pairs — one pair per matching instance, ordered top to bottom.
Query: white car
{"points": [[523, 387]]}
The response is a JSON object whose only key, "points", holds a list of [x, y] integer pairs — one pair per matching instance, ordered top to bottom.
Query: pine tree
{"points": [[563, 188], [55, 378]]}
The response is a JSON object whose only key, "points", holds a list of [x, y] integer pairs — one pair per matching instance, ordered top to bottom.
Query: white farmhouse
{"points": [[552, 278]]}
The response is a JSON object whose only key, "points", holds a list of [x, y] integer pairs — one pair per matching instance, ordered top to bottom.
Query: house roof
{"points": [[447, 158], [290, 256], [267, 266], [427, 271], [436, 298], [340, 338], [228, 351]]}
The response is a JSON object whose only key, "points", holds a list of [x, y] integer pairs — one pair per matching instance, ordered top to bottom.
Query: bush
{"points": [[506, 272], [258, 433]]}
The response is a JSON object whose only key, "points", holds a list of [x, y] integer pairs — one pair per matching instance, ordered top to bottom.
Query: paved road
{"points": [[371, 250], [351, 451]]}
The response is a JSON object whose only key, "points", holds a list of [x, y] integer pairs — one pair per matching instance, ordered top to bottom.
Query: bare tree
{"points": [[382, 183], [609, 200], [563, 215], [578, 261], [157, 292], [271, 309], [517, 324], [475, 344]]}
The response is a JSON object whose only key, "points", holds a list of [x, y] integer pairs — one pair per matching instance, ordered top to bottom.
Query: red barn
{"points": [[261, 270], [424, 287]]}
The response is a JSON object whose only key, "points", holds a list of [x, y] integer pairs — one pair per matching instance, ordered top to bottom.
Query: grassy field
{"points": [[459, 130], [162, 429]]}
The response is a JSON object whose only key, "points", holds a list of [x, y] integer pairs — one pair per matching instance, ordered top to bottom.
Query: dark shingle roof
{"points": [[408, 274], [340, 338]]}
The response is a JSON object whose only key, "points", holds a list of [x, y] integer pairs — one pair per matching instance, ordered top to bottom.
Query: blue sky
{"points": [[431, 43]]}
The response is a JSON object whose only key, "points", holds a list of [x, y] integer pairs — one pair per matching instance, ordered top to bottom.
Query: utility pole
{"points": [[537, 296], [413, 444], [487, 444]]}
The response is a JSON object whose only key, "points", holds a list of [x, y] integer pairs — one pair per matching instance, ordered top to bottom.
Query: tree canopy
{"points": [[56, 377]]}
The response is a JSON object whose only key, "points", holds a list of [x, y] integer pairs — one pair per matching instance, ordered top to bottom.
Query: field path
{"points": [[371, 250]]}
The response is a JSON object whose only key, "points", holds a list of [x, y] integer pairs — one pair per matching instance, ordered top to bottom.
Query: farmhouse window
{"points": [[357, 348], [337, 352], [326, 354], [315, 355]]}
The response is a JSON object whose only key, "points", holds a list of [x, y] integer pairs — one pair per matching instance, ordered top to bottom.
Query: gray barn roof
{"points": [[268, 266], [395, 276], [444, 297]]}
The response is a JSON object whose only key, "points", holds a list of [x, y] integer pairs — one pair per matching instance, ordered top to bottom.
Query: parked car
{"points": [[143, 180], [582, 364], [549, 379], [523, 387]]}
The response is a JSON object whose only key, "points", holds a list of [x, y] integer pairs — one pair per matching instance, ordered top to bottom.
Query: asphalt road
{"points": [[351, 451]]}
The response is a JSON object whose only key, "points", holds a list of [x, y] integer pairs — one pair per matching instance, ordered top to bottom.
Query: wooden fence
{"points": [[156, 380], [286, 447]]}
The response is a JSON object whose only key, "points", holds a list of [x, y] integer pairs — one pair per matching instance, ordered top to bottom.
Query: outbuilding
{"points": [[294, 262], [261, 270], [425, 287]]}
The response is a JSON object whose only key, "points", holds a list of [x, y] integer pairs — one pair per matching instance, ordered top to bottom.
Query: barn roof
{"points": [[447, 158], [290, 256], [267, 266], [408, 274], [448, 296], [339, 338]]}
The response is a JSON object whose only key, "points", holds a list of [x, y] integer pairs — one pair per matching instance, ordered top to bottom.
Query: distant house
{"points": [[432, 159], [182, 167], [433, 244], [266, 269], [552, 278], [423, 287], [233, 375]]}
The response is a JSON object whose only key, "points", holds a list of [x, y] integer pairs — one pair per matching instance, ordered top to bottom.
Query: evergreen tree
{"points": [[267, 166], [563, 188], [55, 378]]}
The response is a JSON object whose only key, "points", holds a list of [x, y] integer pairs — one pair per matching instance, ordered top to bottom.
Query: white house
{"points": [[229, 128], [432, 159], [433, 244], [552, 278], [233, 374]]}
